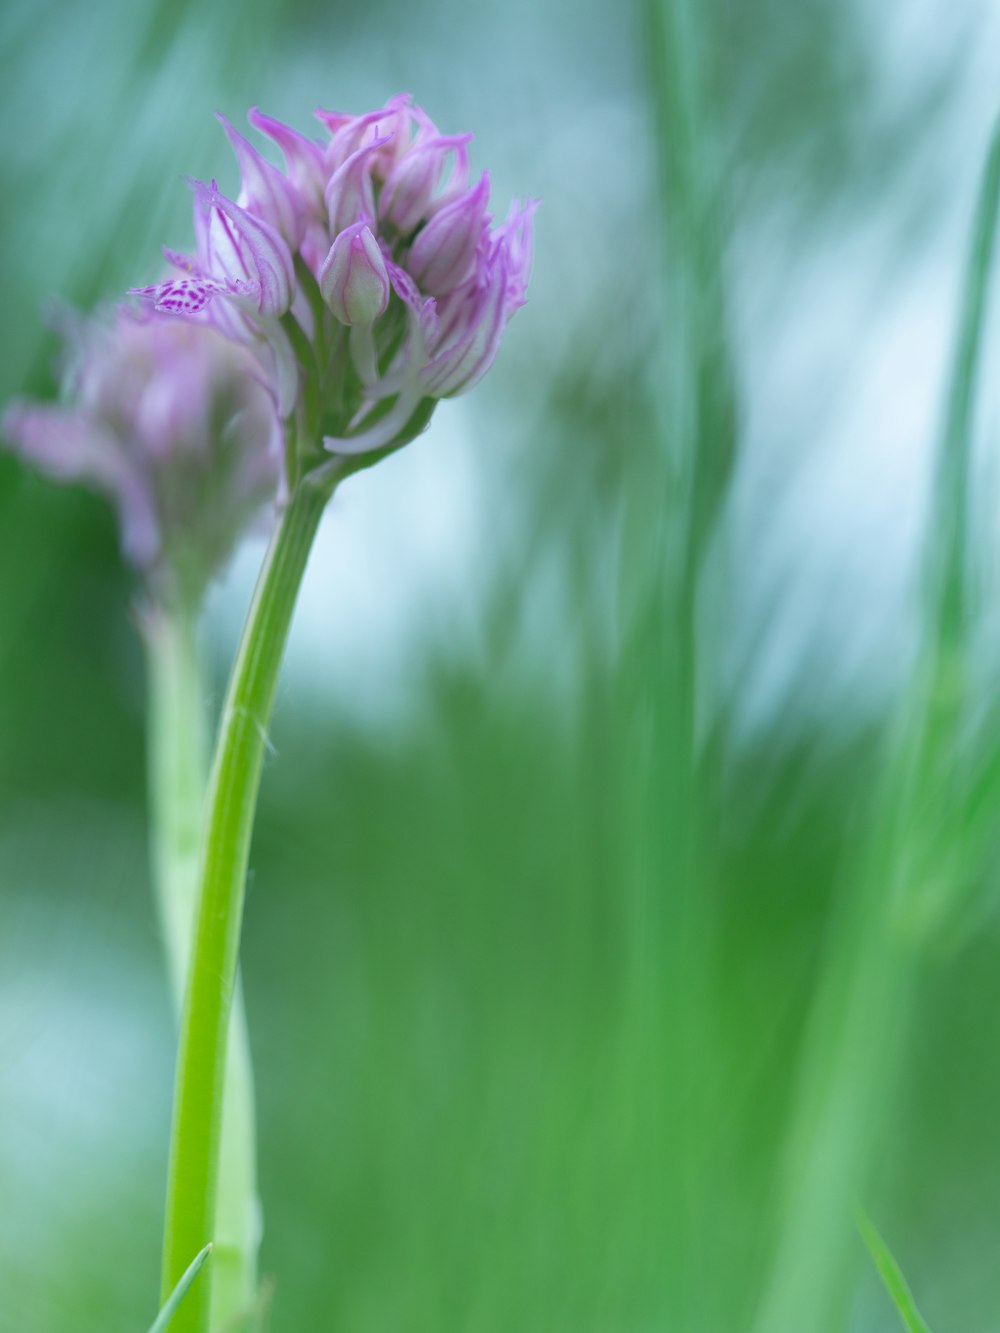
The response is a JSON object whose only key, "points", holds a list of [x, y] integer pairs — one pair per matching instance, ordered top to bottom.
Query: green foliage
{"points": [[891, 1274], [165, 1318]]}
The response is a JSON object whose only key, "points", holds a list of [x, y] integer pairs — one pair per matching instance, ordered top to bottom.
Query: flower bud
{"points": [[413, 182], [444, 253], [354, 280]]}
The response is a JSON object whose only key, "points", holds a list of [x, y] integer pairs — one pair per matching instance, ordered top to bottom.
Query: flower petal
{"points": [[349, 133], [303, 158], [413, 182], [266, 191], [350, 196], [515, 236], [240, 248], [444, 253], [179, 296], [467, 359], [383, 432]]}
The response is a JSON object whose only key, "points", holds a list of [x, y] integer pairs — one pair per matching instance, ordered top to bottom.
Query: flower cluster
{"points": [[367, 278], [323, 313], [169, 419]]}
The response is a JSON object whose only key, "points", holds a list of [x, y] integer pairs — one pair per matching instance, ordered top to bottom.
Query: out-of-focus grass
{"points": [[546, 979], [895, 1283]]}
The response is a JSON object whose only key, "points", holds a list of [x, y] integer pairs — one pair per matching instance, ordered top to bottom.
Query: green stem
{"points": [[177, 776], [177, 780], [232, 796], [910, 858]]}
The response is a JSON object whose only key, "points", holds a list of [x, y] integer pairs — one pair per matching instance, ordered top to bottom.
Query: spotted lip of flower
{"points": [[238, 255], [402, 283], [167, 418]]}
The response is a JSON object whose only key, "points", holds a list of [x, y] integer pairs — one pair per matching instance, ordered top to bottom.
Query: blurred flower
{"points": [[368, 278], [170, 420]]}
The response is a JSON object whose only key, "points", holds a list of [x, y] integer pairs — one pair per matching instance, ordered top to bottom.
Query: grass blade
{"points": [[892, 1277], [180, 1291]]}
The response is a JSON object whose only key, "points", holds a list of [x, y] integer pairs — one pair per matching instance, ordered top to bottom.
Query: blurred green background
{"points": [[610, 933]]}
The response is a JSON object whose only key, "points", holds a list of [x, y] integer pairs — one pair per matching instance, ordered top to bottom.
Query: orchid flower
{"points": [[368, 279], [170, 420]]}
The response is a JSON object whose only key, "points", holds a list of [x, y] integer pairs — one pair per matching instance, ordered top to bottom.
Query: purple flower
{"points": [[373, 251], [237, 254], [169, 419]]}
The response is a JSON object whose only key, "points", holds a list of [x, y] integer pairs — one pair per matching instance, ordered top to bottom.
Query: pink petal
{"points": [[304, 160], [265, 191], [350, 197], [241, 248], [444, 253], [465, 362]]}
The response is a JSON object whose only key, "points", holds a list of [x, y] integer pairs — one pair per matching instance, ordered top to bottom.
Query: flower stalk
{"points": [[177, 780], [231, 802]]}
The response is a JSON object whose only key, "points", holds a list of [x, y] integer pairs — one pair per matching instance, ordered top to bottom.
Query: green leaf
{"points": [[892, 1277], [180, 1291]]}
